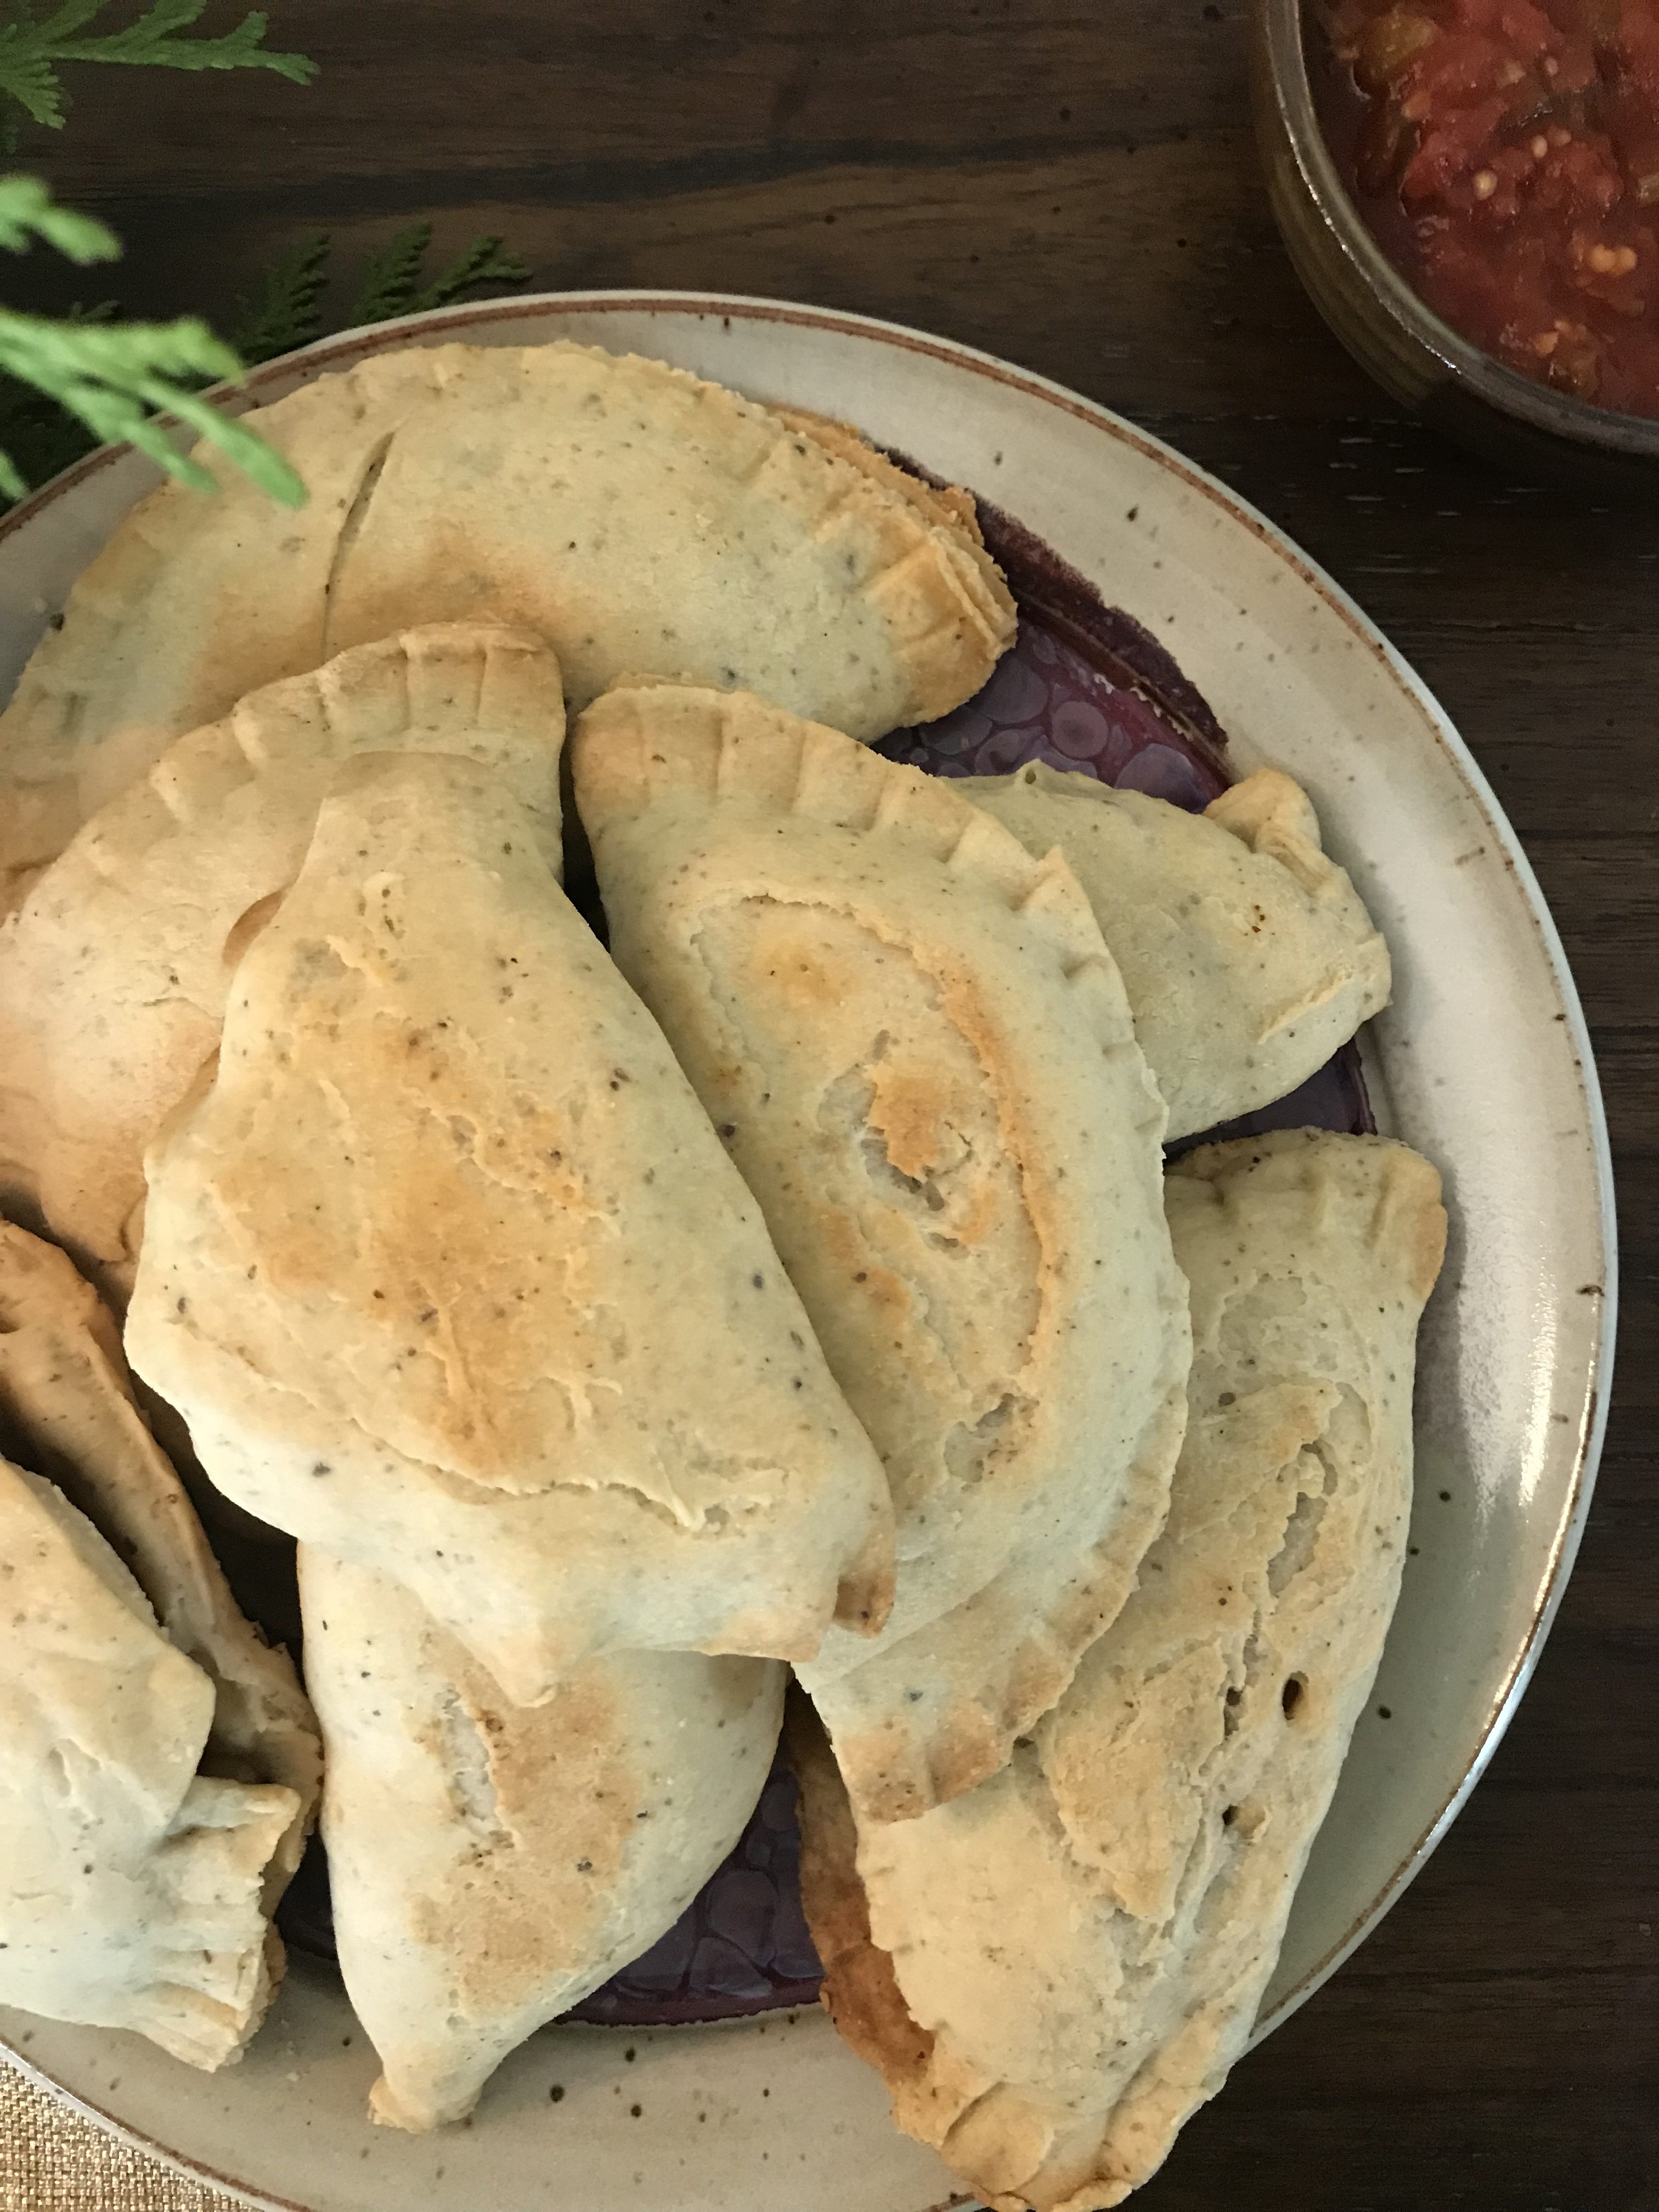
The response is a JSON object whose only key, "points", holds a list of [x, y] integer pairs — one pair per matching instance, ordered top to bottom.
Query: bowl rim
{"points": [[1284, 27], [342, 349]]}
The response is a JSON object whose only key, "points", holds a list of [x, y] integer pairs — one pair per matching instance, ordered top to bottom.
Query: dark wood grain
{"points": [[1071, 183]]}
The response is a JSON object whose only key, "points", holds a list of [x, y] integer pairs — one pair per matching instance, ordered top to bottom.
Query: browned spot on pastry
{"points": [[589, 1790], [861, 1991]]}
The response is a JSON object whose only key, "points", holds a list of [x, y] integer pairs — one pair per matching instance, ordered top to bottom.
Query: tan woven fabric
{"points": [[52, 2160]]}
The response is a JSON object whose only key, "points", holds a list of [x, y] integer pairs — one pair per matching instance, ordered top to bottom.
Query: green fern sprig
{"points": [[32, 51], [28, 211], [487, 261], [390, 278], [389, 284], [287, 311], [107, 378], [117, 379], [35, 434]]}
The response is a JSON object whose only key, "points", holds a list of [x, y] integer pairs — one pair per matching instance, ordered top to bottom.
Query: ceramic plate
{"points": [[1482, 1061]]}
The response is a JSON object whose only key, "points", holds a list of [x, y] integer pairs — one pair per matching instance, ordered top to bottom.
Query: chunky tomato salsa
{"points": [[1506, 154]]}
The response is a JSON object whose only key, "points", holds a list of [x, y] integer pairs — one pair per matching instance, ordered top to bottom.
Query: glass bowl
{"points": [[1417, 359]]}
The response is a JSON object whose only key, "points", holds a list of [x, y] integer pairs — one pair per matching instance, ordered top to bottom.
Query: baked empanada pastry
{"points": [[634, 516], [1246, 953], [114, 971], [915, 1045], [449, 1275], [67, 1412], [491, 1864], [131, 1884], [1055, 1971]]}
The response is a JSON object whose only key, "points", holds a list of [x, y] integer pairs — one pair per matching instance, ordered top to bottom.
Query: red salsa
{"points": [[1506, 154]]}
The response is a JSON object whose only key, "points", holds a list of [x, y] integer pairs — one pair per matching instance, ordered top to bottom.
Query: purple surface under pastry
{"points": [[1084, 687], [1046, 702], [740, 1947]]}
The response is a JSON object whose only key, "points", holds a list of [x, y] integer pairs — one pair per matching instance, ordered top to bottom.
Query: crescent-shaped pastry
{"points": [[637, 517], [1246, 953], [113, 973], [915, 1045], [450, 1276], [67, 1412], [491, 1865], [131, 1885], [1055, 1971]]}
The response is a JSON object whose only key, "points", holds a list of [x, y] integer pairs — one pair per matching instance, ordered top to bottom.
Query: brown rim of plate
{"points": [[341, 349]]}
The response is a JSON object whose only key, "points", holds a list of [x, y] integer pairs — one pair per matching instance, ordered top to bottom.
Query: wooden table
{"points": [[1073, 184]]}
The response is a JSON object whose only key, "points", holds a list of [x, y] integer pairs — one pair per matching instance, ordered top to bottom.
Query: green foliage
{"points": [[33, 49], [28, 211], [484, 264], [390, 278], [390, 285], [287, 311], [115, 378], [66, 386], [36, 434], [37, 438]]}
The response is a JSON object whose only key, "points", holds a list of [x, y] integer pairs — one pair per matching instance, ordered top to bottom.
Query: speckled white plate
{"points": [[1482, 1061]]}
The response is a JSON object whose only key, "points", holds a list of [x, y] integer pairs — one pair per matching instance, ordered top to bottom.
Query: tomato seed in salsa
{"points": [[1506, 154]]}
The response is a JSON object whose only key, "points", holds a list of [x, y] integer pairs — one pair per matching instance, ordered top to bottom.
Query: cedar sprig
{"points": [[33, 48], [28, 211], [389, 284], [287, 311], [103, 376], [116, 378], [35, 433]]}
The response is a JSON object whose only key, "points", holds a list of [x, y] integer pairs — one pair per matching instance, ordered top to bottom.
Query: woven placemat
{"points": [[52, 2160]]}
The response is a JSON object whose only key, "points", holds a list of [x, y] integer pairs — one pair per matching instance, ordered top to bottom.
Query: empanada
{"points": [[634, 515], [1246, 953], [114, 971], [917, 1049], [449, 1275], [67, 1412], [490, 1865], [130, 1885], [1053, 1972]]}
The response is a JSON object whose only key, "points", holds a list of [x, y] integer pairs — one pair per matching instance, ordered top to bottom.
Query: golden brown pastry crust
{"points": [[634, 516], [1246, 953], [114, 971], [914, 1042], [450, 1276], [67, 1412], [491, 1864], [131, 1885], [1055, 1970], [860, 1992]]}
